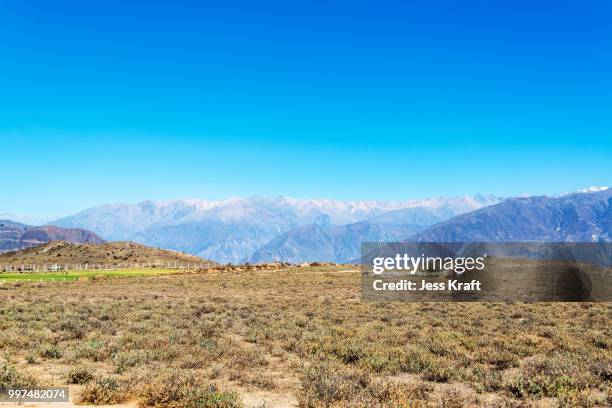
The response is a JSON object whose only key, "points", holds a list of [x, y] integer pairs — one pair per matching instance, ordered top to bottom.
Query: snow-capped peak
{"points": [[592, 189]]}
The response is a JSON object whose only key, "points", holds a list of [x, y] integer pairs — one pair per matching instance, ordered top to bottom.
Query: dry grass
{"points": [[210, 339]]}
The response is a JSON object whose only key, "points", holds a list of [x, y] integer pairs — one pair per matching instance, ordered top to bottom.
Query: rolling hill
{"points": [[108, 253]]}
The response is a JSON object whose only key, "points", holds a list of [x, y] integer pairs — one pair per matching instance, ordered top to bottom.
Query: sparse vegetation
{"points": [[214, 339], [80, 375], [184, 389]]}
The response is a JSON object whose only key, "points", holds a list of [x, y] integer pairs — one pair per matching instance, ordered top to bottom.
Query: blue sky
{"points": [[113, 102]]}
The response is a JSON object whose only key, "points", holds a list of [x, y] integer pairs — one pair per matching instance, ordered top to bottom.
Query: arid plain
{"points": [[293, 336]]}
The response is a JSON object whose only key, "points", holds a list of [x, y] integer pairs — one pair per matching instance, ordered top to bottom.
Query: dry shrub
{"points": [[50, 351], [192, 362], [603, 369], [439, 371], [80, 375], [553, 376], [11, 378], [260, 380], [333, 384], [180, 389], [103, 390], [454, 399], [581, 399], [505, 401]]}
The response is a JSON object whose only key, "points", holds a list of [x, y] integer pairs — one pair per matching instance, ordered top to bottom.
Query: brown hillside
{"points": [[50, 233], [15, 236], [109, 253]]}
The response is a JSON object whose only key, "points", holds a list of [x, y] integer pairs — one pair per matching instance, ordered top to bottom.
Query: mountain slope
{"points": [[582, 217], [121, 221], [15, 236], [315, 242], [343, 243], [109, 253]]}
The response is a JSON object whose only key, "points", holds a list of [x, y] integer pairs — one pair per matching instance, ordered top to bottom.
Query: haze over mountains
{"points": [[233, 230]]}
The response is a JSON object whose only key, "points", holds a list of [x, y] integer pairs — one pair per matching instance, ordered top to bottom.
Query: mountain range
{"points": [[263, 229], [238, 230]]}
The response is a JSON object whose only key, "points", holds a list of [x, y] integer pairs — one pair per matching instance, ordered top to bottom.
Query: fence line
{"points": [[64, 267]]}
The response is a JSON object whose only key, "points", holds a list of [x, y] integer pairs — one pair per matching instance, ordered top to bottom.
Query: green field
{"points": [[74, 275]]}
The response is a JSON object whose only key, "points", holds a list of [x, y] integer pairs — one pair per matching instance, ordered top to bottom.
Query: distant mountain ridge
{"points": [[577, 217], [27, 219], [233, 230], [15, 236]]}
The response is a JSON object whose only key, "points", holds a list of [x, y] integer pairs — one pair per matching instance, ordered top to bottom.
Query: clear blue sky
{"points": [[115, 102]]}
